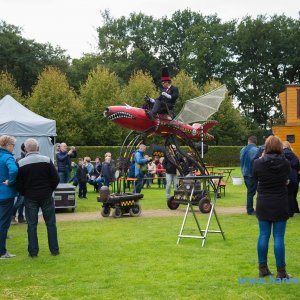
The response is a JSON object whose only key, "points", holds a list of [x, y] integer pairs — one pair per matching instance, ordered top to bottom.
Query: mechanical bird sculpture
{"points": [[185, 127]]}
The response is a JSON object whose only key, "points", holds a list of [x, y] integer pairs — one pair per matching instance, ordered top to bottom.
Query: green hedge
{"points": [[217, 155]]}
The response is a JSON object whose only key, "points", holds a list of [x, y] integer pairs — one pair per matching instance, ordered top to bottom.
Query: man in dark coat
{"points": [[165, 103], [36, 181]]}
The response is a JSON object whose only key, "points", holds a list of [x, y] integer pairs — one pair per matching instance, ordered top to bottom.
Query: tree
{"points": [[196, 43], [128, 44], [265, 55], [25, 59], [80, 69], [139, 85], [8, 87], [101, 90], [53, 98], [231, 129]]}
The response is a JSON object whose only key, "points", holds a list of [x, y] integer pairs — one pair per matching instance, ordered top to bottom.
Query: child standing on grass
{"points": [[160, 171], [82, 178]]}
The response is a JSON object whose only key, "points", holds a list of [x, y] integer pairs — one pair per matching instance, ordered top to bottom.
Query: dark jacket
{"points": [[174, 93], [64, 160], [294, 162], [168, 164], [97, 170], [107, 171], [272, 173], [81, 174], [37, 178]]}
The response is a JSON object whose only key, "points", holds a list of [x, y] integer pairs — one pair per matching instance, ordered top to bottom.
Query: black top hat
{"points": [[165, 75]]}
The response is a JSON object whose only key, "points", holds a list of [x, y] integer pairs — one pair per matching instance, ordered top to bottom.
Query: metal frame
{"points": [[203, 233]]}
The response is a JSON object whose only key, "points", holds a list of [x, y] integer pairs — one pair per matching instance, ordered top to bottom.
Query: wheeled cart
{"points": [[65, 196], [121, 203]]}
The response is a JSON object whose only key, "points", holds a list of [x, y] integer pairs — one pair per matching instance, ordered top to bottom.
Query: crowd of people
{"points": [[273, 172]]}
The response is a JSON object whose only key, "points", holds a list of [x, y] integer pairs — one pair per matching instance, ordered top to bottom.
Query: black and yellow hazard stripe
{"points": [[127, 203]]}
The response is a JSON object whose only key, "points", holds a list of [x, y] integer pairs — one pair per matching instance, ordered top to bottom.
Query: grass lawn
{"points": [[138, 258]]}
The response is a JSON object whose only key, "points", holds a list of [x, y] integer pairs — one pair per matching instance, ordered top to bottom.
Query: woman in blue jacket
{"points": [[8, 174]]}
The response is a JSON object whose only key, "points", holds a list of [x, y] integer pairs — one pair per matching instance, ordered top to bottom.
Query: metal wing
{"points": [[201, 108]]}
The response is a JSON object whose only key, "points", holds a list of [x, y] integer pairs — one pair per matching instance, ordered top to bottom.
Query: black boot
{"points": [[150, 115], [264, 270], [281, 273]]}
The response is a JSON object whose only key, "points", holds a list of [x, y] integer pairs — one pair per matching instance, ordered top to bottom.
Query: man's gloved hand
{"points": [[166, 95], [148, 99]]}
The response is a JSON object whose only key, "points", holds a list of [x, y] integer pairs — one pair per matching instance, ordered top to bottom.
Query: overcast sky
{"points": [[72, 24]]}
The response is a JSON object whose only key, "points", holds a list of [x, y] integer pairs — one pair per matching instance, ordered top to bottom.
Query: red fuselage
{"points": [[136, 119]]}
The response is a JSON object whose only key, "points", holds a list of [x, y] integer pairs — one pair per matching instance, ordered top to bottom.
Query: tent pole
{"points": [[54, 156]]}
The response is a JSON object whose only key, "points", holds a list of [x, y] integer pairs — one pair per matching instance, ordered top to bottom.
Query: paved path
{"points": [[147, 213]]}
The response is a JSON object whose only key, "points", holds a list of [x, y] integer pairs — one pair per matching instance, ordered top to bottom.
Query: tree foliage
{"points": [[127, 45], [265, 55], [24, 59], [80, 69], [139, 85], [8, 87], [101, 90], [53, 98]]}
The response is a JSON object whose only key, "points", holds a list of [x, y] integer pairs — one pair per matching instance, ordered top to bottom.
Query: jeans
{"points": [[64, 176], [148, 179], [169, 179], [161, 180], [102, 181], [139, 183], [251, 185], [19, 207], [6, 208], [31, 212], [263, 241]]}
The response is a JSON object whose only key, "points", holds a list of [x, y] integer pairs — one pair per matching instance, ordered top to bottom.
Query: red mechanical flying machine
{"points": [[136, 119], [184, 129], [175, 131]]}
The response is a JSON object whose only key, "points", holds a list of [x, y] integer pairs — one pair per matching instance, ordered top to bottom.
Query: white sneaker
{"points": [[13, 221], [7, 255]]}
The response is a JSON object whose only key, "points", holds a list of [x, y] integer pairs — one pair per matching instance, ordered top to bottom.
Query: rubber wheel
{"points": [[172, 204], [204, 205], [135, 210], [105, 211], [117, 213]]}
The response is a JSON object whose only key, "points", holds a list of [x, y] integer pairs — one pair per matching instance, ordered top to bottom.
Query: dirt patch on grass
{"points": [[147, 213]]}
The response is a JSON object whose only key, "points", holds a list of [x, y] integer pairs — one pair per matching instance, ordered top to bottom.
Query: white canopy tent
{"points": [[22, 123]]}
